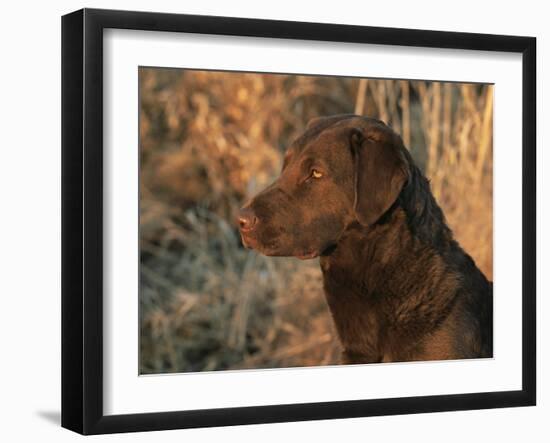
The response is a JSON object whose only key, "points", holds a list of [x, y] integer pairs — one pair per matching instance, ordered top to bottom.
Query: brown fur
{"points": [[398, 285]]}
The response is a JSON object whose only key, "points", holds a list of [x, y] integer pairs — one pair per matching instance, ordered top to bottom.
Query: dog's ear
{"points": [[381, 171]]}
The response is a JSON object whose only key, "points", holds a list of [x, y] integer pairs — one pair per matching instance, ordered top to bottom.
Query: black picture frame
{"points": [[82, 220]]}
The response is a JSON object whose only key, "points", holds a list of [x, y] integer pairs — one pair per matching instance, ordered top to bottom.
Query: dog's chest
{"points": [[357, 317]]}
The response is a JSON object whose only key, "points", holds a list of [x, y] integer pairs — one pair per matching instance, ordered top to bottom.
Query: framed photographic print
{"points": [[269, 221]]}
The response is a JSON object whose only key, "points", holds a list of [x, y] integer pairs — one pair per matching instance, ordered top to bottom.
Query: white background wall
{"points": [[30, 218]]}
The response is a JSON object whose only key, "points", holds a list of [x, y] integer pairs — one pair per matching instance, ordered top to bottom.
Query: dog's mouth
{"points": [[248, 242], [251, 242], [271, 249], [314, 253], [308, 255]]}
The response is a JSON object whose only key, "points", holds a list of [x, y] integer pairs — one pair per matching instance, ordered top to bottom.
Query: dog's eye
{"points": [[316, 174]]}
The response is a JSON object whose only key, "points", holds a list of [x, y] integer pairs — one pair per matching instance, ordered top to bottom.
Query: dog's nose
{"points": [[247, 219]]}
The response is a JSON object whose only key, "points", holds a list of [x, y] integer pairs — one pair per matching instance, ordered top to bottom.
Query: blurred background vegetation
{"points": [[210, 140]]}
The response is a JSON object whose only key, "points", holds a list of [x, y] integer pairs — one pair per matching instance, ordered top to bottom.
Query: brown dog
{"points": [[398, 285]]}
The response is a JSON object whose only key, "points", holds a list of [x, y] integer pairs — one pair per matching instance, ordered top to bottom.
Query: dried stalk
{"points": [[361, 96], [406, 111], [433, 134], [486, 134]]}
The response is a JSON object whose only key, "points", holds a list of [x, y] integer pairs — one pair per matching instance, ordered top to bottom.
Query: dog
{"points": [[398, 285]]}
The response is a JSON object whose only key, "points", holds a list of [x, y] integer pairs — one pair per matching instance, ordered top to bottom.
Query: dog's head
{"points": [[342, 169]]}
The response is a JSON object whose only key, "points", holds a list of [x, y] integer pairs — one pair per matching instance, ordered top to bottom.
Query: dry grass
{"points": [[208, 140]]}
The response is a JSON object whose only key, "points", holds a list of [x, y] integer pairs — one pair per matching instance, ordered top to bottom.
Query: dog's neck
{"points": [[425, 218], [415, 222], [411, 241]]}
